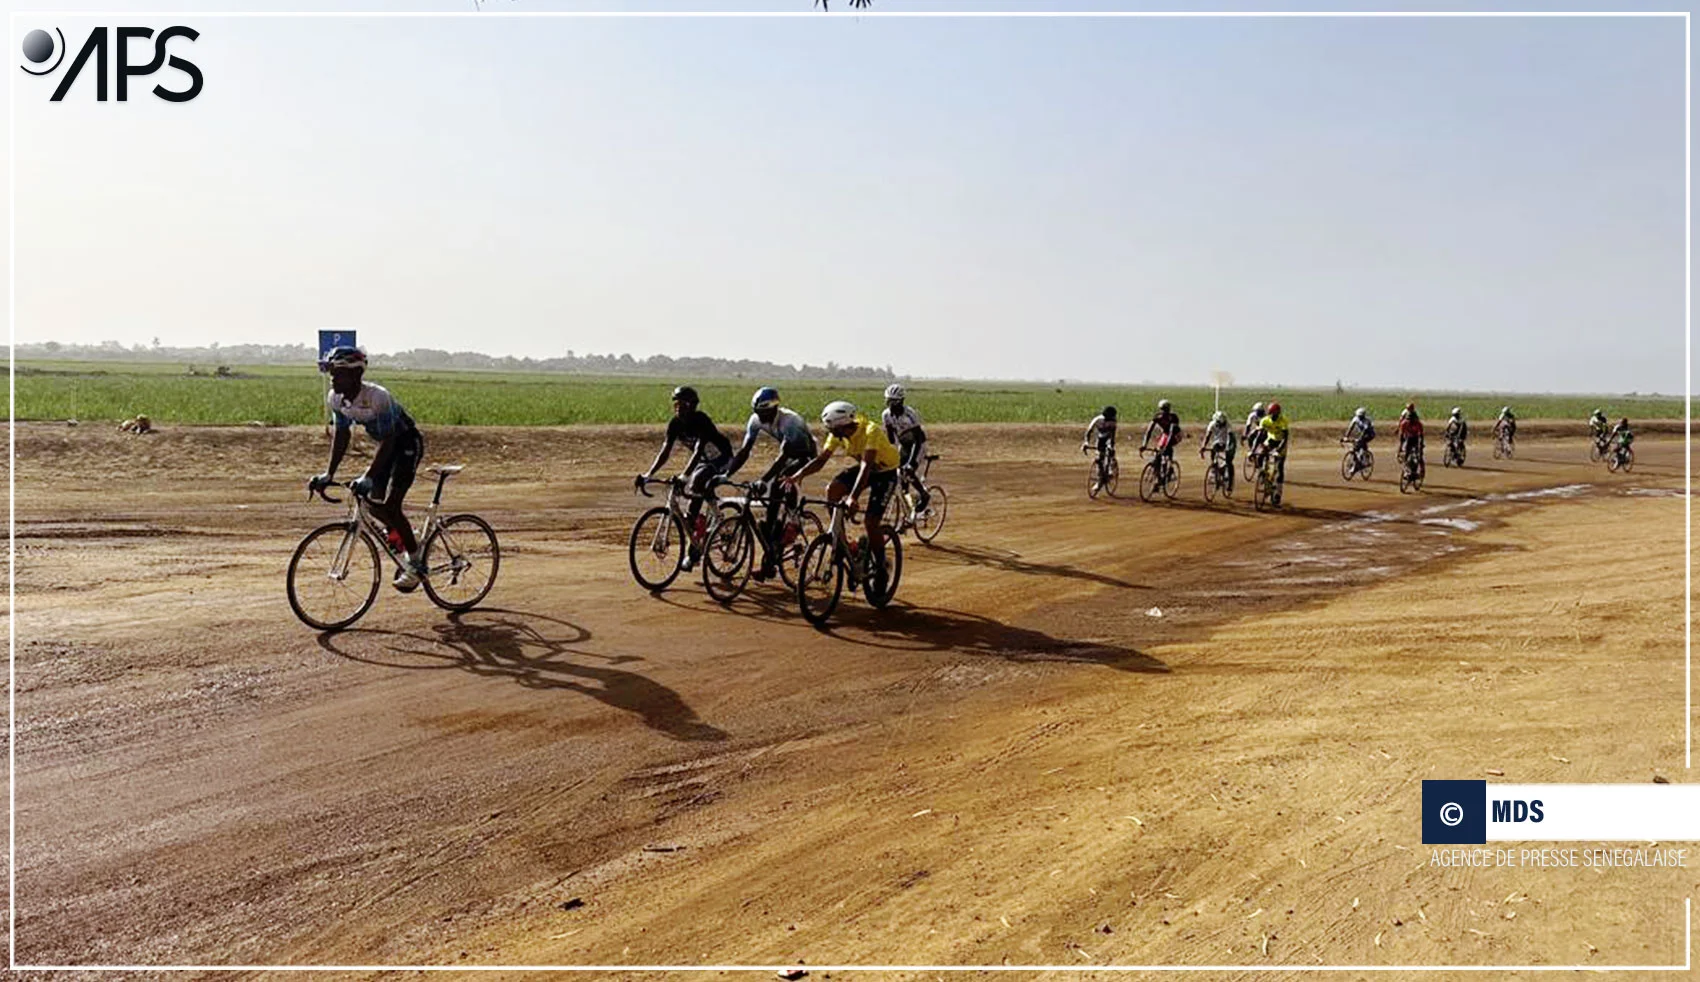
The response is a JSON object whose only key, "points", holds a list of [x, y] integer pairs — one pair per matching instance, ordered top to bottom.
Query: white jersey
{"points": [[372, 407], [901, 427], [1102, 427], [1219, 435]]}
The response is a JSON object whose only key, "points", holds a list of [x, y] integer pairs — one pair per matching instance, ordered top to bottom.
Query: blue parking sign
{"points": [[332, 339]]}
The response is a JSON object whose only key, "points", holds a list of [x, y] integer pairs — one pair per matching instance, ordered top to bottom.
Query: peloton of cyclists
{"points": [[796, 448], [711, 453]]}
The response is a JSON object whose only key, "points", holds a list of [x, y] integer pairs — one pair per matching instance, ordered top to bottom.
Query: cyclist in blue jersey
{"points": [[400, 446]]}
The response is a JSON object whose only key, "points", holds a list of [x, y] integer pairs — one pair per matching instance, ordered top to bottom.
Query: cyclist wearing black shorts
{"points": [[400, 446], [796, 448], [711, 452]]}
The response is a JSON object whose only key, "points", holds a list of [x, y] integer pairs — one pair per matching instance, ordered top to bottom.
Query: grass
{"points": [[55, 390]]}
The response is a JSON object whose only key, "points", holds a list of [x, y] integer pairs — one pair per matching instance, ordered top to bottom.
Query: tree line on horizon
{"points": [[434, 358]]}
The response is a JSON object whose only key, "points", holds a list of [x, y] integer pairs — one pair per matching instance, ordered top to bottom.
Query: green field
{"points": [[57, 390]]}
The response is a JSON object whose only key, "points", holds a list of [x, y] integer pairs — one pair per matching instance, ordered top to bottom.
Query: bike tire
{"points": [[1596, 453], [1628, 459], [1369, 465], [1347, 470], [1094, 481], [1148, 481], [1212, 483], [1172, 487], [1260, 491], [938, 507], [659, 528], [728, 554], [892, 558], [459, 560], [821, 577], [364, 603]]}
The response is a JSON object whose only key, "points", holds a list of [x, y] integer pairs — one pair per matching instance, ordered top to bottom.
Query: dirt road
{"points": [[1086, 732]]}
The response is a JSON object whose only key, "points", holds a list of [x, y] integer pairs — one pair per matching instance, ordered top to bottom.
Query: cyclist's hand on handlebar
{"points": [[318, 483], [361, 486]]}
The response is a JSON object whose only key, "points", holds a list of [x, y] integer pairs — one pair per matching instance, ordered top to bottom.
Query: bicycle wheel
{"points": [[1596, 453], [1628, 459], [1368, 464], [1250, 467], [1347, 468], [1095, 479], [1148, 481], [1172, 482], [1212, 483], [1260, 491], [898, 507], [930, 522], [809, 528], [657, 548], [728, 553], [461, 560], [887, 571], [332, 581], [820, 581]]}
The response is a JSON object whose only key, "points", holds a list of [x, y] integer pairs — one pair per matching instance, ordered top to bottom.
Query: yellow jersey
{"points": [[1274, 430], [868, 435]]}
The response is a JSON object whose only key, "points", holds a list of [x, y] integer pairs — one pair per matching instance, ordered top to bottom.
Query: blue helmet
{"points": [[766, 397]]}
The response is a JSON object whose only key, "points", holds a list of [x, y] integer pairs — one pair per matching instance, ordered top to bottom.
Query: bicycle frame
{"points": [[360, 517]]}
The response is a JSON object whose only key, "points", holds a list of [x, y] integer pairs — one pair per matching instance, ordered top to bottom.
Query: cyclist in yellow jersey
{"points": [[1275, 433], [864, 441]]}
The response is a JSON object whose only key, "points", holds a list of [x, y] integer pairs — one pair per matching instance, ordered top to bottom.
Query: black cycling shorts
{"points": [[390, 483], [880, 486]]}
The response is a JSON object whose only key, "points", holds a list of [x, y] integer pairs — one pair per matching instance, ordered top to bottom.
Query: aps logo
{"points": [[45, 52]]}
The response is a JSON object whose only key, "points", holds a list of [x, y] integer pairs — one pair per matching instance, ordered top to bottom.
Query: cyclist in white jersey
{"points": [[903, 427], [796, 449]]}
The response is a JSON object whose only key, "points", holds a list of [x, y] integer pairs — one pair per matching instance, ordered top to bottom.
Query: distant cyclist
{"points": [[1506, 425], [1598, 426], [1167, 427], [903, 428], [1457, 430], [1360, 431], [1101, 432], [1253, 432], [1276, 432], [1410, 433], [1219, 436], [1621, 436], [796, 448], [711, 453], [395, 461], [875, 469]]}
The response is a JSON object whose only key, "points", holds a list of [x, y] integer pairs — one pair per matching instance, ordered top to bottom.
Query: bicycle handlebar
{"points": [[643, 486], [320, 491]]}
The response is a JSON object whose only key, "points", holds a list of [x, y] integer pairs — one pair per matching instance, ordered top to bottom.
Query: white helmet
{"points": [[892, 391], [1257, 407], [1505, 410], [1457, 411], [1362, 412], [837, 414], [1219, 417]]}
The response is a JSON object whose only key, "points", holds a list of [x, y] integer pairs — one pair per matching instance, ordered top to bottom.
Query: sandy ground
{"points": [[1019, 762]]}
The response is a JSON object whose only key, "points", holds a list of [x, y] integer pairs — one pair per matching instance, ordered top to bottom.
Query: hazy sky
{"points": [[1466, 203]]}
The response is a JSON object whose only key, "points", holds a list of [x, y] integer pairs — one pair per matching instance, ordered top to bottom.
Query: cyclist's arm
{"points": [[1149, 429], [339, 446], [743, 453], [661, 458], [810, 467], [862, 475]]}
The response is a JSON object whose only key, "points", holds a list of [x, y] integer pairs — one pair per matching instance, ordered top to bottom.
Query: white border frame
{"points": [[12, 964]]}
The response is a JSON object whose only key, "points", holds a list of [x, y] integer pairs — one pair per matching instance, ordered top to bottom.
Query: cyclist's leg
{"points": [[390, 486], [880, 488]]}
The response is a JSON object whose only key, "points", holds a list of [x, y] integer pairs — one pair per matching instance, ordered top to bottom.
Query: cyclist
{"points": [[1506, 424], [1167, 425], [1598, 425], [903, 428], [1457, 430], [1102, 431], [1360, 431], [1253, 433], [1410, 434], [1219, 436], [1621, 436], [1274, 441], [400, 446], [796, 448], [711, 452], [876, 457]]}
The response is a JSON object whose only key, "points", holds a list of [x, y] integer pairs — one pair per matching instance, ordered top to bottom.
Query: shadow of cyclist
{"points": [[1012, 562], [907, 628], [507, 644]]}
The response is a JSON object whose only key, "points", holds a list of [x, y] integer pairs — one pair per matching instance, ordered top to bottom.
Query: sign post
{"points": [[1219, 378]]}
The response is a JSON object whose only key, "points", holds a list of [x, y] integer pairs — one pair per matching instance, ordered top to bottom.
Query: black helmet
{"points": [[345, 356], [686, 395], [1109, 412]]}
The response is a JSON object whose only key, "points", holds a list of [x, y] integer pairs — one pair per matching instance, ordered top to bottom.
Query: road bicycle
{"points": [[1253, 441], [1600, 445], [1455, 452], [1620, 458], [1356, 462], [1411, 471], [1104, 472], [1161, 473], [1219, 475], [1266, 492], [900, 511], [735, 541], [657, 551], [831, 563], [334, 575]]}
